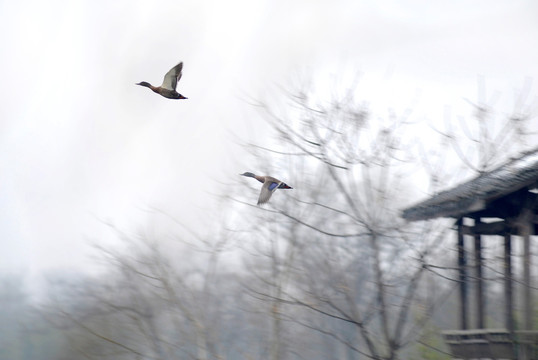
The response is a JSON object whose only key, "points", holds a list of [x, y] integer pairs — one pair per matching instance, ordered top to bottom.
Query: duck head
{"points": [[144, 83]]}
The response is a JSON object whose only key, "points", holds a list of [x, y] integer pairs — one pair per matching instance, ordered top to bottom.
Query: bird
{"points": [[168, 87], [270, 184]]}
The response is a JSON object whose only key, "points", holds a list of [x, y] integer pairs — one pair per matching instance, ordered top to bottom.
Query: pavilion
{"points": [[504, 203]]}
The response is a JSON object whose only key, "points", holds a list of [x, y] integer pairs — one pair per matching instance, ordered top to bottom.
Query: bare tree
{"points": [[491, 134], [346, 255], [329, 268], [158, 299]]}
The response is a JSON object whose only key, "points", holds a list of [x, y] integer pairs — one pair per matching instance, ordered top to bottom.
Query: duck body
{"points": [[168, 87], [270, 184]]}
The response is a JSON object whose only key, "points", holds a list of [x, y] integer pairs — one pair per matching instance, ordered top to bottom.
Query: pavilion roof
{"points": [[475, 194]]}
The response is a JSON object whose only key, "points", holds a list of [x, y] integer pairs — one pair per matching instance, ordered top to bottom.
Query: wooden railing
{"points": [[492, 344]]}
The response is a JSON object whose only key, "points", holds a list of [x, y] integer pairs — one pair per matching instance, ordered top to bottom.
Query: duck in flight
{"points": [[168, 87], [270, 184]]}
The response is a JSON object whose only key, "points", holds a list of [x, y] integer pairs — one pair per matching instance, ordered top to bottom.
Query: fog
{"points": [[82, 146], [88, 158]]}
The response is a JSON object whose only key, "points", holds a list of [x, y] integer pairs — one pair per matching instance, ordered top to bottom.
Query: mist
{"points": [[91, 164]]}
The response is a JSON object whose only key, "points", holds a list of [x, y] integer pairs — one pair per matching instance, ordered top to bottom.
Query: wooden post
{"points": [[526, 229], [462, 264], [508, 297], [480, 301], [528, 308]]}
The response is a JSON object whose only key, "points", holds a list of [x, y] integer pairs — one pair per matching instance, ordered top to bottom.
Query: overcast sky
{"points": [[81, 144]]}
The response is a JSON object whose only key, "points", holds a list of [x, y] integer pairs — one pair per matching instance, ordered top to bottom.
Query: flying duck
{"points": [[168, 87], [270, 184]]}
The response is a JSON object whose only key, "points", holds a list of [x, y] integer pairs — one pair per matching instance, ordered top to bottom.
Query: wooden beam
{"points": [[480, 228], [462, 266]]}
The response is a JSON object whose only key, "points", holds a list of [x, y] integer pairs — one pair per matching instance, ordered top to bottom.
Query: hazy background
{"points": [[81, 145]]}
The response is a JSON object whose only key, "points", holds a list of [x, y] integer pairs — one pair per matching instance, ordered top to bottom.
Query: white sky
{"points": [[80, 143]]}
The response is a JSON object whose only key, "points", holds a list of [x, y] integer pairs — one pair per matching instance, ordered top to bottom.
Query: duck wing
{"points": [[172, 77], [268, 188]]}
